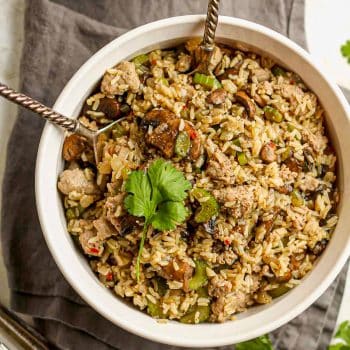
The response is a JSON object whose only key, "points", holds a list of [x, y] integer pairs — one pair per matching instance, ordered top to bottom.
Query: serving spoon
{"points": [[71, 125], [92, 136]]}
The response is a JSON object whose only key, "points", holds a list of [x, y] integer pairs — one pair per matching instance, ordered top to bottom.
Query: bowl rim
{"points": [[41, 196]]}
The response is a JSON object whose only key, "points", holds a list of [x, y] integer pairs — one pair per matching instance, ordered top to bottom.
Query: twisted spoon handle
{"points": [[210, 25], [37, 107]]}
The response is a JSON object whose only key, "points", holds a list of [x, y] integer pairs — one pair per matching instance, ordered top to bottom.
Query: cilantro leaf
{"points": [[345, 50], [168, 183], [158, 196], [138, 201], [168, 215], [343, 333], [261, 343]]}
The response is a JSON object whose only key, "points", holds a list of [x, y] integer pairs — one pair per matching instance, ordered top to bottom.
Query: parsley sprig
{"points": [[345, 50], [157, 195], [260, 343]]}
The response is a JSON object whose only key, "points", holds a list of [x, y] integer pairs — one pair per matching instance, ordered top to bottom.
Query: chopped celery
{"points": [[140, 60], [277, 71], [206, 81], [273, 114], [182, 144], [242, 158], [296, 198], [208, 207], [200, 277], [277, 292], [155, 310]]}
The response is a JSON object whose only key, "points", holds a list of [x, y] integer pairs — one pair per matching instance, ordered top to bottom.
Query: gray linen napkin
{"points": [[59, 36]]}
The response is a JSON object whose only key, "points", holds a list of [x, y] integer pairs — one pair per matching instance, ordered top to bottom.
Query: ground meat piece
{"points": [[184, 63], [260, 74], [123, 79], [292, 92], [217, 96], [246, 101], [318, 142], [73, 147], [267, 153], [219, 167], [75, 180], [307, 182], [285, 189], [238, 200], [104, 228], [90, 244], [177, 270], [219, 287]]}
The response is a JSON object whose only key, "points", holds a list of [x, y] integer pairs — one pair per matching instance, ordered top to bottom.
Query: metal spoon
{"points": [[208, 44], [72, 125]]}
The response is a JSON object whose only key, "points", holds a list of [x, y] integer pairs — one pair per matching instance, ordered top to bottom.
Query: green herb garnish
{"points": [[345, 50], [157, 195], [343, 333], [261, 343]]}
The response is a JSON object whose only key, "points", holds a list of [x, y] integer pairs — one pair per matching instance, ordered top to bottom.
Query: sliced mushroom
{"points": [[217, 96], [247, 102], [73, 147], [267, 153]]}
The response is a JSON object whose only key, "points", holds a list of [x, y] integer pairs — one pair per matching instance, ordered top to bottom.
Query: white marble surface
{"points": [[11, 39]]}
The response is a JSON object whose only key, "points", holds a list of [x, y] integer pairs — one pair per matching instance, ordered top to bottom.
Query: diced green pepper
{"points": [[140, 60], [277, 70], [164, 81], [206, 81], [125, 108], [273, 114], [290, 127], [118, 131], [237, 142], [182, 144], [287, 153], [242, 158], [296, 198], [208, 208], [70, 214], [200, 277], [162, 286], [277, 292], [155, 310], [204, 311], [190, 317]]}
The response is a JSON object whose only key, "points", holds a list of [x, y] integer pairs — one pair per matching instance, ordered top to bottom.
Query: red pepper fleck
{"points": [[153, 62], [292, 82], [185, 107], [192, 134], [227, 242], [94, 250], [109, 277]]}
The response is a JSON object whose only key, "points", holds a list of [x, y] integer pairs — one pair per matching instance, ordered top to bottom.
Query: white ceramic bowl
{"points": [[72, 263]]}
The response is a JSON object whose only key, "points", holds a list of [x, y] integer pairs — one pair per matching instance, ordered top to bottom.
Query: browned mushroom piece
{"points": [[227, 73], [217, 96], [259, 100], [247, 102], [109, 106], [163, 136], [73, 147], [267, 153], [293, 165], [177, 270]]}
